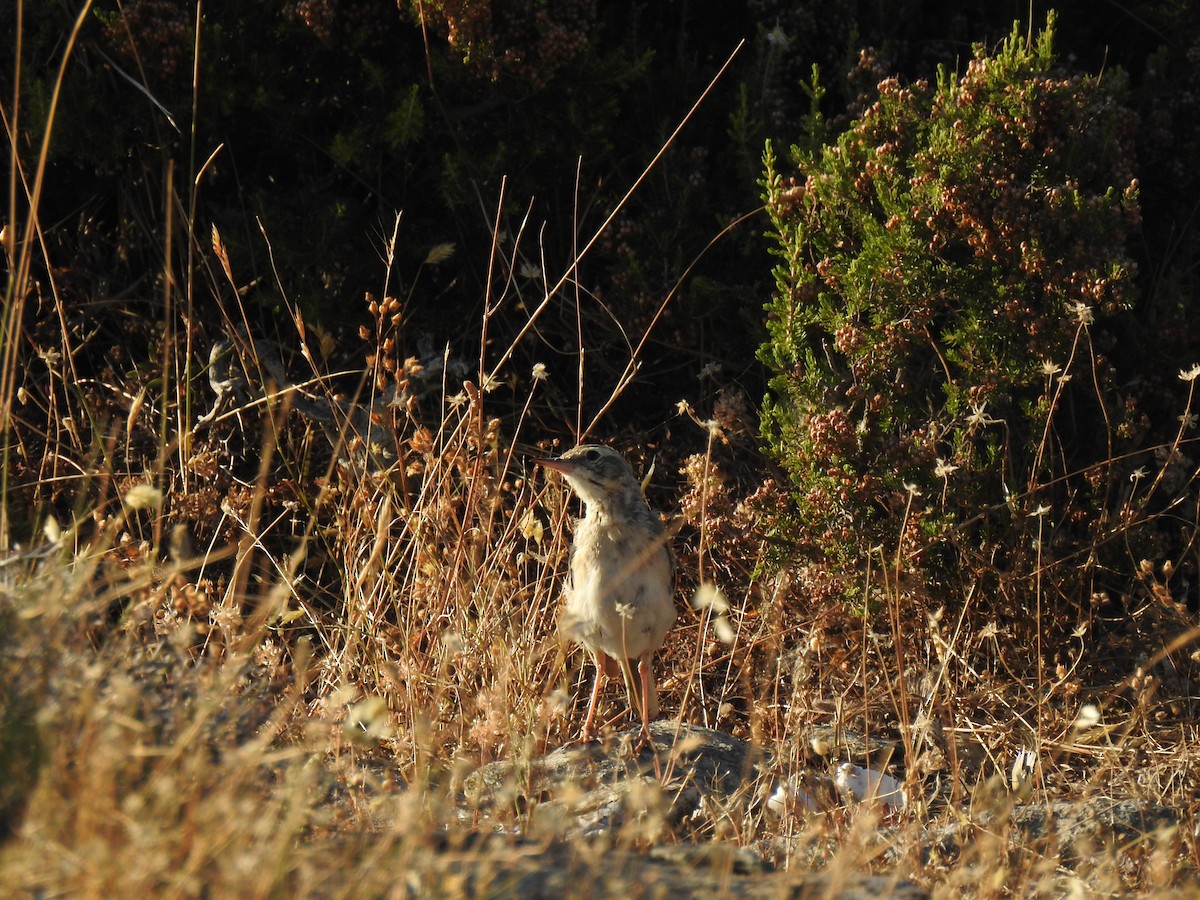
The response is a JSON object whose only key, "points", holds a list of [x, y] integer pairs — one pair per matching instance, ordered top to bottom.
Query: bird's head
{"points": [[599, 475]]}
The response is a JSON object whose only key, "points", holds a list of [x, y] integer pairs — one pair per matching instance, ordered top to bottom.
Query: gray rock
{"points": [[607, 822]]}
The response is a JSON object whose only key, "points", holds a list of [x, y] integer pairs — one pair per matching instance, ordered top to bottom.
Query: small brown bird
{"points": [[620, 591]]}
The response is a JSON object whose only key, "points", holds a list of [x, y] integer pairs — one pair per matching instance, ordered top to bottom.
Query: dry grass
{"points": [[252, 660], [286, 710]]}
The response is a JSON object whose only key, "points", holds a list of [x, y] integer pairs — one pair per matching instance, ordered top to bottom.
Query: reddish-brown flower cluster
{"points": [[316, 14], [357, 21], [154, 35], [531, 41]]}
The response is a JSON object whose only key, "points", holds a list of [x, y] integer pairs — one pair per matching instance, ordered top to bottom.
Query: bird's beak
{"points": [[558, 465]]}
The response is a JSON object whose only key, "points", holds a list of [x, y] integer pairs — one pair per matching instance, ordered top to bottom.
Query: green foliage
{"points": [[949, 273]]}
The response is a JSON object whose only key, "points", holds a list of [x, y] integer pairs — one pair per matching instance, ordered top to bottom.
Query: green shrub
{"points": [[949, 271]]}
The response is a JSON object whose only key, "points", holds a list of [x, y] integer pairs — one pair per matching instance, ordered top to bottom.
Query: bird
{"points": [[619, 594]]}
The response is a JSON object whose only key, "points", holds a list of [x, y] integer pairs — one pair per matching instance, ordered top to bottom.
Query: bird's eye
{"points": [[592, 455]]}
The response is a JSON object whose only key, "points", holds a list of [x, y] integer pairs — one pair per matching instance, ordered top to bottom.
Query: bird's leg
{"points": [[645, 671], [631, 687], [588, 732]]}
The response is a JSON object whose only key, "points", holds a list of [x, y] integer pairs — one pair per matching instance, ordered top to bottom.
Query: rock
{"points": [[595, 788], [644, 824]]}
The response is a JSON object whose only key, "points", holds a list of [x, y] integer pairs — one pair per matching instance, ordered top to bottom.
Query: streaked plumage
{"points": [[620, 591]]}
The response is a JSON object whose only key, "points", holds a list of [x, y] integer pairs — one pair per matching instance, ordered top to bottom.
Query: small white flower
{"points": [[777, 37], [529, 270], [1082, 312], [1050, 368], [710, 370], [540, 373], [1190, 374], [457, 400], [979, 416], [1188, 420], [944, 469], [1137, 474], [913, 490], [143, 496], [1040, 511], [709, 596], [625, 610], [1088, 717], [1020, 777]]}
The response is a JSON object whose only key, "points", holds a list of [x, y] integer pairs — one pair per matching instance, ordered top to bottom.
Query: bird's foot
{"points": [[586, 735], [645, 739]]}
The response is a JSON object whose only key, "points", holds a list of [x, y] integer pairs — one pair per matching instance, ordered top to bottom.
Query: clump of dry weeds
{"points": [[251, 658]]}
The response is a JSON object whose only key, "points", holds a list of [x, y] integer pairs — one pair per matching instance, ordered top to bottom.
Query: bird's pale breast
{"points": [[620, 598]]}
